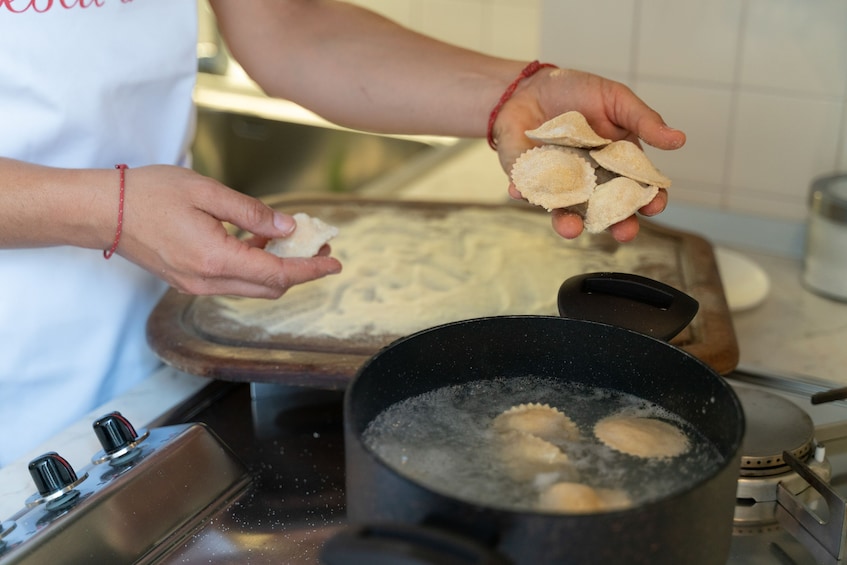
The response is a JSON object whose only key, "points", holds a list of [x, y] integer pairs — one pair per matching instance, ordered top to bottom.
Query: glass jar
{"points": [[825, 268]]}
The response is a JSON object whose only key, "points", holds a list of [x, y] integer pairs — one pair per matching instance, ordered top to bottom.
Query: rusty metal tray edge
{"points": [[177, 344]]}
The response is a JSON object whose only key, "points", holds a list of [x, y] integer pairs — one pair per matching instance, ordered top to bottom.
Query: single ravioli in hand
{"points": [[570, 129], [628, 160], [553, 177], [614, 201], [307, 239]]}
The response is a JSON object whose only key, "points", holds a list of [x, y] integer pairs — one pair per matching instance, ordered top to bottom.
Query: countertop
{"points": [[792, 332]]}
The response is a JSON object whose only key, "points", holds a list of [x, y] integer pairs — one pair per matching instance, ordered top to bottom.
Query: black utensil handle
{"points": [[628, 301], [403, 544]]}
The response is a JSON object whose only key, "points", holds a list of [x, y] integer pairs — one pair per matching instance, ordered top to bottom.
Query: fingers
{"points": [[634, 115], [656, 133], [656, 205], [249, 214], [567, 224], [625, 230], [229, 265], [255, 274]]}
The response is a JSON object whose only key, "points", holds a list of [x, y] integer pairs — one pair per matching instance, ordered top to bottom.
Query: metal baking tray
{"points": [[190, 334]]}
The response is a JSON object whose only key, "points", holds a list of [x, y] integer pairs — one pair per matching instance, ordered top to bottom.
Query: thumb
{"points": [[661, 136], [252, 215]]}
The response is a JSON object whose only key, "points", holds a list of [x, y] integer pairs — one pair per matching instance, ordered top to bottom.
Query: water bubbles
{"points": [[443, 439]]}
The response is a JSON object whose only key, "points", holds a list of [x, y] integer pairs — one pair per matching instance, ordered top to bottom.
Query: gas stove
{"points": [[254, 473], [793, 479]]}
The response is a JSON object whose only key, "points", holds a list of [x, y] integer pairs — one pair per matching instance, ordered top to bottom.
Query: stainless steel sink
{"points": [[261, 155]]}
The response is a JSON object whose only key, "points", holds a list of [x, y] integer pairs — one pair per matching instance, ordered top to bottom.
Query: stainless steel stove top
{"points": [[291, 440], [290, 443]]}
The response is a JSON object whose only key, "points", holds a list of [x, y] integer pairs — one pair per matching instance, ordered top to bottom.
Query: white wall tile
{"points": [[534, 4], [398, 10], [459, 22], [512, 30], [594, 36], [686, 39], [796, 45], [703, 113], [779, 143], [841, 163], [688, 191], [791, 207]]}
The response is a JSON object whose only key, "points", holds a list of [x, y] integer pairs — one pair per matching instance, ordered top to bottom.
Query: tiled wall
{"points": [[507, 28], [759, 86]]}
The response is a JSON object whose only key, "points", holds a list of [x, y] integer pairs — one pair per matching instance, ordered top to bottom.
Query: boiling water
{"points": [[443, 439]]}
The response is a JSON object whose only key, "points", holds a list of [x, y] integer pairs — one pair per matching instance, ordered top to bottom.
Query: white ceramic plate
{"points": [[745, 283]]}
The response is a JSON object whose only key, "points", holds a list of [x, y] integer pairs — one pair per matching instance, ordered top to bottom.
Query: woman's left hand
{"points": [[612, 110]]}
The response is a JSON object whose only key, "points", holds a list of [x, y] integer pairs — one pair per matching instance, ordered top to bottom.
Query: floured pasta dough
{"points": [[307, 239], [404, 272], [642, 437]]}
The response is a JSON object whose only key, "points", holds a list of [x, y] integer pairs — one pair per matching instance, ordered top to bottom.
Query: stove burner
{"points": [[774, 425]]}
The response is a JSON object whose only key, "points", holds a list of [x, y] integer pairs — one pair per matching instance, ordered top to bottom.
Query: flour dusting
{"points": [[405, 271]]}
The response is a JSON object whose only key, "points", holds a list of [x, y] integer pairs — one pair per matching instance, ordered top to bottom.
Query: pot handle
{"points": [[628, 301], [404, 544]]}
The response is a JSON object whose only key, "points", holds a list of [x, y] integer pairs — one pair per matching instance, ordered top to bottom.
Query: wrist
{"points": [[526, 73], [92, 197], [44, 206], [107, 253]]}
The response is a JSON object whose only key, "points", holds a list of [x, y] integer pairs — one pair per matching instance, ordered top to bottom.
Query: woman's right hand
{"points": [[173, 227]]}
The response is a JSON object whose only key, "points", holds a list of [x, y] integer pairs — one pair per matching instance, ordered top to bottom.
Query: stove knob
{"points": [[114, 432], [51, 473], [55, 480]]}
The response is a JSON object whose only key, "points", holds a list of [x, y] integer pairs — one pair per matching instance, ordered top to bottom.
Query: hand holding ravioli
{"points": [[614, 112], [601, 180]]}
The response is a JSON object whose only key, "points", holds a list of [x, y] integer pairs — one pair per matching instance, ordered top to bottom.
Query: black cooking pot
{"points": [[397, 520]]}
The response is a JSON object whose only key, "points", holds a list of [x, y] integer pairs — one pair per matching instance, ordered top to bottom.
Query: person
{"points": [[86, 85]]}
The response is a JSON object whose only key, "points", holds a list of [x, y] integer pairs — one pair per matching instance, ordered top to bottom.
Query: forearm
{"points": [[361, 70], [43, 206]]}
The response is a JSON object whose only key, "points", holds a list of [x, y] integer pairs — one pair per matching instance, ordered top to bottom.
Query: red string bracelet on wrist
{"points": [[527, 72], [107, 253]]}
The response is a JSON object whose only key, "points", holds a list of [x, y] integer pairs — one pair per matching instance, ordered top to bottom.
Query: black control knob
{"points": [[115, 432], [51, 473]]}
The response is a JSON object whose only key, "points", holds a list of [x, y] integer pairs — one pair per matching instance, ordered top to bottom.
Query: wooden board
{"points": [[192, 334]]}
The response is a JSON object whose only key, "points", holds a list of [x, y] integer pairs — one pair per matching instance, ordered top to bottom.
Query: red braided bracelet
{"points": [[527, 72], [107, 253]]}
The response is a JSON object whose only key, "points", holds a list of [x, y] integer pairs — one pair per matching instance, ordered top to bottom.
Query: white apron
{"points": [[84, 84]]}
